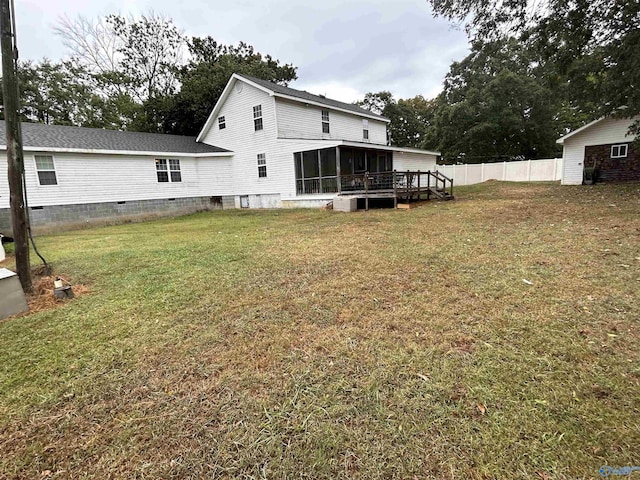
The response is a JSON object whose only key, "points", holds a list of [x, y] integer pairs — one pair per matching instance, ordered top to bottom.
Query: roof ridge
{"points": [[302, 94], [137, 132]]}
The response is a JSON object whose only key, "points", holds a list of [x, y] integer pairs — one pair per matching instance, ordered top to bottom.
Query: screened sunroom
{"points": [[338, 169]]}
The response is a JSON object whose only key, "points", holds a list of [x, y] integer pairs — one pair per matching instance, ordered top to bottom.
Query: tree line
{"points": [[535, 72], [138, 74]]}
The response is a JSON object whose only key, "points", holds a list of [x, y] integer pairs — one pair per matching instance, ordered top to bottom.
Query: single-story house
{"points": [[604, 144], [263, 146]]}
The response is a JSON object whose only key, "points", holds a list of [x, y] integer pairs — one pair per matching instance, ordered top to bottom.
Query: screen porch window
{"points": [[257, 117], [325, 121], [222, 123], [365, 129], [619, 151], [262, 165], [46, 170], [168, 171], [316, 171]]}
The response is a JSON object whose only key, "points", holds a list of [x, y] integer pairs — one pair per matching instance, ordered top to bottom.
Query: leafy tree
{"points": [[590, 44], [151, 49], [139, 57], [131, 64], [208, 72], [377, 102], [494, 106], [411, 119], [412, 122]]}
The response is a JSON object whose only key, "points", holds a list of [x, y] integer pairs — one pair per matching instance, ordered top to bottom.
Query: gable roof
{"points": [[275, 90], [281, 90], [636, 118], [578, 130], [62, 137]]}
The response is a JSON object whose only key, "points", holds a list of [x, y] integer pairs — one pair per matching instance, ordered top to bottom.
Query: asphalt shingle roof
{"points": [[292, 92], [62, 136]]}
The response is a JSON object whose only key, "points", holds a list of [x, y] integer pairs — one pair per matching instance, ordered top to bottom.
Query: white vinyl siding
{"points": [[298, 120], [605, 132], [241, 138], [403, 161], [95, 178]]}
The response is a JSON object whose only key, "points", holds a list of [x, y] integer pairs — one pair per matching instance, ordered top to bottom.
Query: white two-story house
{"points": [[263, 146], [292, 148]]}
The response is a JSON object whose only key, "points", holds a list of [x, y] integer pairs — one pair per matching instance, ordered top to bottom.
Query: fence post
{"points": [[555, 169], [504, 171], [529, 171], [482, 172], [466, 174], [418, 185]]}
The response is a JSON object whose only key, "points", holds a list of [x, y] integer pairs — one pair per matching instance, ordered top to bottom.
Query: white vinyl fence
{"points": [[549, 169]]}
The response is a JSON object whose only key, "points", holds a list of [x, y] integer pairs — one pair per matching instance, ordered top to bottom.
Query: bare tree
{"points": [[94, 43], [138, 57]]}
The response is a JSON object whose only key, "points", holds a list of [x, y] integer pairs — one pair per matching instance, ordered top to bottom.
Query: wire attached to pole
{"points": [[24, 179]]}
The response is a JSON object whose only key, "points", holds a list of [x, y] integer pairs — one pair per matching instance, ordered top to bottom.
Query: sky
{"points": [[342, 48]]}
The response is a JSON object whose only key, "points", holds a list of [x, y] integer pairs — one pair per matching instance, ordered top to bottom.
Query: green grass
{"points": [[314, 344]]}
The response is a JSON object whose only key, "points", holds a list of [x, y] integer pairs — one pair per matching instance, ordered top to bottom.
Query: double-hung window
{"points": [[257, 117], [325, 121], [222, 123], [365, 129], [619, 151], [262, 165], [46, 170], [168, 170]]}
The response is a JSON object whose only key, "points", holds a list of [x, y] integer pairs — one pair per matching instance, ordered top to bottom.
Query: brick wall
{"points": [[613, 169], [59, 217]]}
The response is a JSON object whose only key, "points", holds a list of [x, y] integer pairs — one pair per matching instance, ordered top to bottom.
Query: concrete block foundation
{"points": [[58, 217]]}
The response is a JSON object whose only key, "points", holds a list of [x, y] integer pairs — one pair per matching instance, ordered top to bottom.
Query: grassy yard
{"points": [[313, 344]]}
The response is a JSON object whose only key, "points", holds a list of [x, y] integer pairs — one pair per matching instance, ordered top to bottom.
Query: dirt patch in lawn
{"points": [[41, 297]]}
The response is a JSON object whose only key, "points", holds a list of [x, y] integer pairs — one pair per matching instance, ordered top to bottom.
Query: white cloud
{"points": [[343, 49]]}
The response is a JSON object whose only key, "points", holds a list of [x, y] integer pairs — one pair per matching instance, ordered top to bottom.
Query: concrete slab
{"points": [[12, 301]]}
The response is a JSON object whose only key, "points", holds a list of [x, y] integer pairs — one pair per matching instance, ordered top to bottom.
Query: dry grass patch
{"points": [[315, 344]]}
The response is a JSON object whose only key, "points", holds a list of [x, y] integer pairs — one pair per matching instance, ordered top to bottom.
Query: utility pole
{"points": [[15, 156]]}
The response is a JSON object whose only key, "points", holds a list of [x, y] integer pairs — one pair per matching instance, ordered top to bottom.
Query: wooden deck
{"points": [[402, 187]]}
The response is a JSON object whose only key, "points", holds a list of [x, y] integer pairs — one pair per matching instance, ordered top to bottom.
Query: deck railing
{"points": [[401, 184], [309, 186]]}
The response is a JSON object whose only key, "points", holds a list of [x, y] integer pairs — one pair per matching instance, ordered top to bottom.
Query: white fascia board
{"points": [[225, 93], [330, 107], [582, 128], [328, 142], [347, 143], [389, 148], [121, 152]]}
